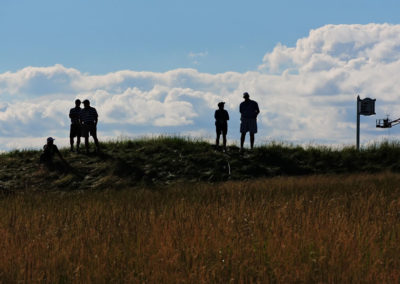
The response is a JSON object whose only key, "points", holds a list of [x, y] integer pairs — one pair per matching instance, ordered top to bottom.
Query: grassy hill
{"points": [[169, 160], [339, 228]]}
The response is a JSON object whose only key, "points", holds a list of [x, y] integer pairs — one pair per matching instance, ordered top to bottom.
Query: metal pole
{"points": [[358, 123]]}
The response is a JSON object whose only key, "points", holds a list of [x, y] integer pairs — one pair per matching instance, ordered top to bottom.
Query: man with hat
{"points": [[249, 111], [89, 120], [221, 123], [75, 130], [49, 150]]}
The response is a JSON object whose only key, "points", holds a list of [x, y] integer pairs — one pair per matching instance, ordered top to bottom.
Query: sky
{"points": [[160, 67]]}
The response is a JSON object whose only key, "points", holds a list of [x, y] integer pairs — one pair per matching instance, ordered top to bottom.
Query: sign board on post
{"points": [[367, 106], [364, 107]]}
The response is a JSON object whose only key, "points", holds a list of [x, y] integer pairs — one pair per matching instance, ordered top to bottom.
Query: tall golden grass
{"points": [[308, 229]]}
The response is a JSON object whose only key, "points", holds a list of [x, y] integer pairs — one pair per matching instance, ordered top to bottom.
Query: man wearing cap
{"points": [[249, 111], [88, 120], [221, 123], [75, 130], [49, 150]]}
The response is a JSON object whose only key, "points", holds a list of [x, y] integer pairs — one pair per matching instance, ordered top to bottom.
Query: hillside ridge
{"points": [[168, 160]]}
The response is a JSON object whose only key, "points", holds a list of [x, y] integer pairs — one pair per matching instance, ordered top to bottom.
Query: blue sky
{"points": [[104, 36], [161, 67]]}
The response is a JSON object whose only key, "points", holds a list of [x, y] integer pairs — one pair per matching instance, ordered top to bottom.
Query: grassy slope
{"points": [[168, 160], [313, 229]]}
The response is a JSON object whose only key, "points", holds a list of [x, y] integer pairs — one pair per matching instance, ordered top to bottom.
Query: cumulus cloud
{"points": [[306, 93]]}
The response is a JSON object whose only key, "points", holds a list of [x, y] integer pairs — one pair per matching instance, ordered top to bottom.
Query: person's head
{"points": [[246, 96], [78, 103], [86, 103], [221, 105], [50, 141]]}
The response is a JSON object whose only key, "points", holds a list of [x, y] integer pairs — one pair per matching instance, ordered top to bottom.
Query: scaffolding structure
{"points": [[387, 123]]}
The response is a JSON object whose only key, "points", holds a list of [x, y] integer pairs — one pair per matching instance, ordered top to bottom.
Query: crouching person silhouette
{"points": [[47, 157]]}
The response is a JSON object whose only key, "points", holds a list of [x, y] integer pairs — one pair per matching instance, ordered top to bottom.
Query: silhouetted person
{"points": [[249, 111], [88, 120], [221, 123], [75, 130], [49, 151]]}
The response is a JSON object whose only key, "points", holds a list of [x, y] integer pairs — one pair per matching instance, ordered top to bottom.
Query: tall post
{"points": [[358, 123]]}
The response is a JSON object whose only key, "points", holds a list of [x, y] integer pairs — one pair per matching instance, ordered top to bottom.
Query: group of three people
{"points": [[248, 121], [83, 123]]}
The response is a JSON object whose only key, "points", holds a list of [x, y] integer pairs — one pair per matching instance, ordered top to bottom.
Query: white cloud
{"points": [[198, 54], [195, 56], [305, 92]]}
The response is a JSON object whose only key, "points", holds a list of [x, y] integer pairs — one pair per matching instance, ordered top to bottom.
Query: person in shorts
{"points": [[249, 111], [89, 118], [221, 123], [75, 130]]}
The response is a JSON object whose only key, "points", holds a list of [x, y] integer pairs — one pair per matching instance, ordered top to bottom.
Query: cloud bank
{"points": [[306, 93]]}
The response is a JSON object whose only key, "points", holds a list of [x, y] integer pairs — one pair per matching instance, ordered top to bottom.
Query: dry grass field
{"points": [[325, 229]]}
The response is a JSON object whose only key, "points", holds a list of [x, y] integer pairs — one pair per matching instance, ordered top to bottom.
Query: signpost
{"points": [[364, 107]]}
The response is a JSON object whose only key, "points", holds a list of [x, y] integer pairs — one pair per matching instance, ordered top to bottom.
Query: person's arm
{"points": [[257, 109], [70, 113], [227, 115], [80, 117], [97, 117], [59, 154]]}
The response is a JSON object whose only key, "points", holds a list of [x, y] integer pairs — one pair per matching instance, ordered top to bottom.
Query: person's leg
{"points": [[224, 132], [93, 133], [85, 134], [71, 137], [217, 139], [224, 139], [242, 140], [251, 140], [71, 142], [78, 142], [96, 142], [87, 143], [47, 161], [50, 165]]}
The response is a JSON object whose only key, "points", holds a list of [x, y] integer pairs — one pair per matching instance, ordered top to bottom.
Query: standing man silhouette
{"points": [[249, 111], [89, 118], [221, 123], [75, 130]]}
